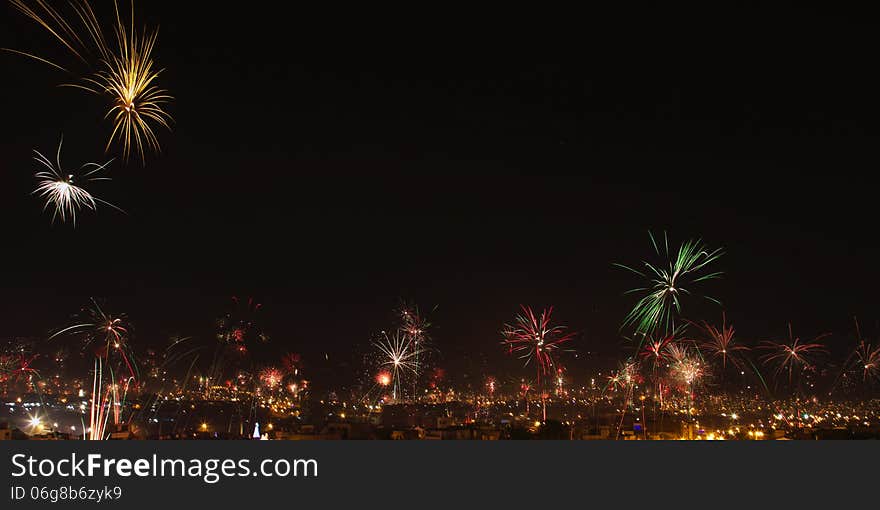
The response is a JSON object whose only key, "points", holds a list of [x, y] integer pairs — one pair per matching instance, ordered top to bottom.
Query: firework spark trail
{"points": [[125, 74], [61, 190], [660, 303], [533, 339], [177, 351], [656, 351], [792, 353], [399, 354], [624, 380], [524, 388], [770, 399], [101, 401], [118, 401]]}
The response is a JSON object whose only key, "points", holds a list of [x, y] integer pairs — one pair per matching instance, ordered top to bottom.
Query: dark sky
{"points": [[473, 161]]}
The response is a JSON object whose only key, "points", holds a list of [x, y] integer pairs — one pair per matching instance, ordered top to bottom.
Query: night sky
{"points": [[331, 164]]}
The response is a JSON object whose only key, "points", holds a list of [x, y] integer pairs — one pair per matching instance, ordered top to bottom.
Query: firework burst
{"points": [[122, 71], [64, 191], [666, 285], [413, 323], [240, 324], [416, 327], [104, 332], [533, 339], [721, 343], [656, 350], [674, 352], [792, 353], [398, 354], [864, 360], [17, 367], [688, 369], [271, 377], [383, 378], [624, 378], [491, 385]]}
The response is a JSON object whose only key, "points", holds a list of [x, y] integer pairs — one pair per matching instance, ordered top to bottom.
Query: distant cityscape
{"points": [[41, 405]]}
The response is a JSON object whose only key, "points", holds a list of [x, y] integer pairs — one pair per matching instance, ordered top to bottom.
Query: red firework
{"points": [[412, 322], [240, 324], [104, 333], [533, 339], [721, 343], [656, 350], [792, 353], [867, 361], [17, 367], [271, 377], [383, 378], [491, 385]]}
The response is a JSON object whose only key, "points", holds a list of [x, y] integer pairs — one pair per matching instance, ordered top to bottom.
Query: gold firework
{"points": [[124, 72]]}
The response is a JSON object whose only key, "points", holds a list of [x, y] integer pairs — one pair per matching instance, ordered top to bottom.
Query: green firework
{"points": [[667, 283]]}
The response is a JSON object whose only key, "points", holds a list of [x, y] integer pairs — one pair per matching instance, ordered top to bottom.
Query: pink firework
{"points": [[412, 322], [240, 324], [533, 339], [720, 343], [655, 350], [792, 353], [867, 361], [17, 367], [271, 377], [491, 385]]}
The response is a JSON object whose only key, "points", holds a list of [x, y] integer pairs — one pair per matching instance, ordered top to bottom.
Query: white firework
{"points": [[63, 191], [400, 353]]}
